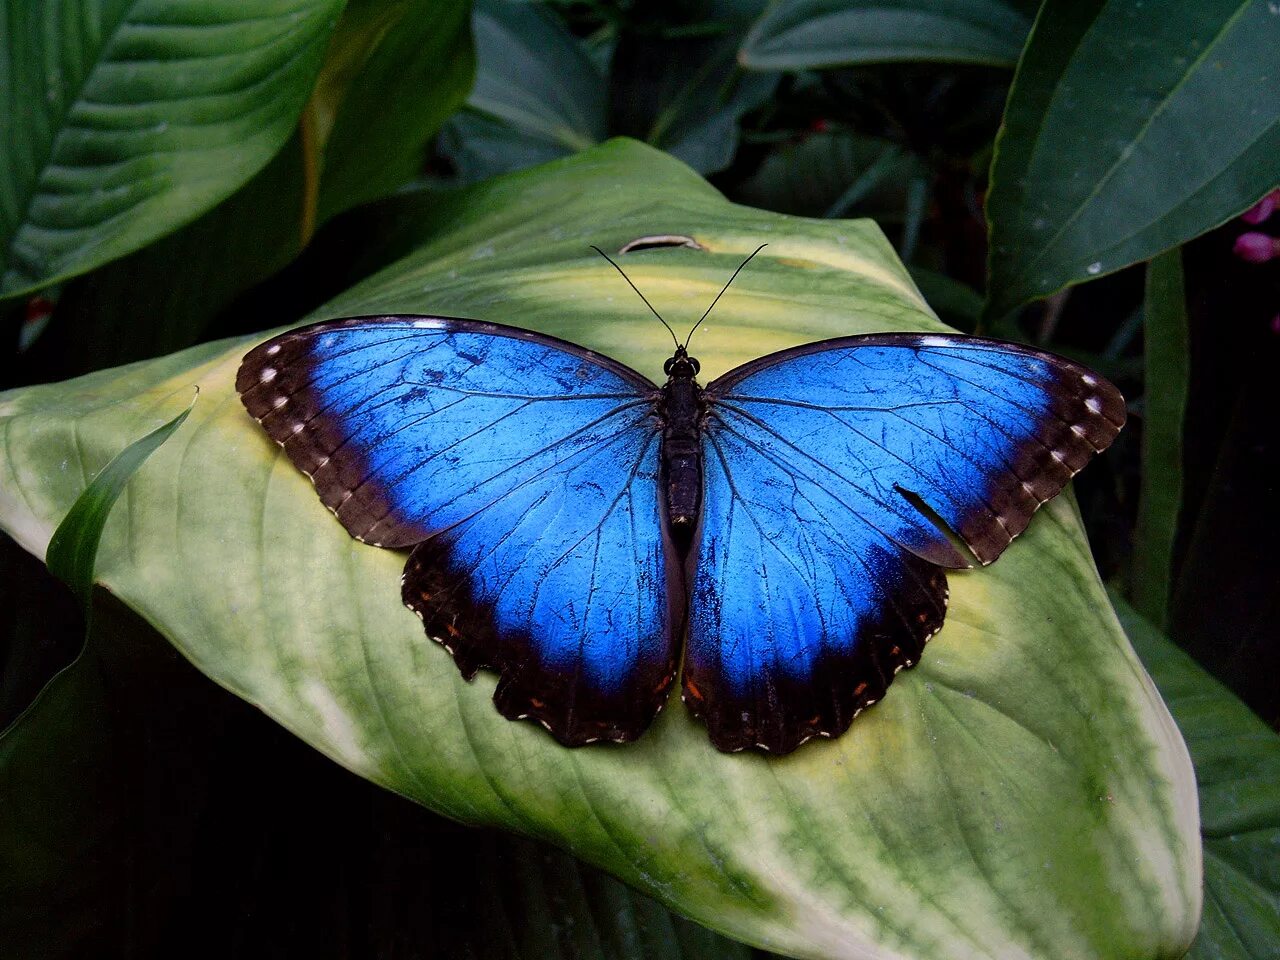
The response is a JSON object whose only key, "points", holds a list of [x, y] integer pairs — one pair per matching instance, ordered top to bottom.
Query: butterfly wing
{"points": [[524, 469], [817, 578]]}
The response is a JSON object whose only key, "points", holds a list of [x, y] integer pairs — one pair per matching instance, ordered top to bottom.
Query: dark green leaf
{"points": [[803, 34], [396, 69], [538, 93], [686, 93], [541, 94], [121, 121], [1129, 129], [481, 146], [890, 161], [833, 174], [913, 217], [165, 296], [957, 303], [1167, 362], [73, 548], [41, 632], [1237, 761], [96, 787]]}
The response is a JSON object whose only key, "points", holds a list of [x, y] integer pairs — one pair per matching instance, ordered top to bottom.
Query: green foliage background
{"points": [[177, 174]]}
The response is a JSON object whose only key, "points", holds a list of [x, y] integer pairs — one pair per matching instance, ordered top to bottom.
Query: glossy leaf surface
{"points": [[804, 34], [392, 75], [538, 95], [121, 121], [1130, 128], [139, 306], [1167, 358], [1237, 759], [1022, 792]]}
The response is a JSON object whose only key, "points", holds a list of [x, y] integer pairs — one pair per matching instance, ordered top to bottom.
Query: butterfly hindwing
{"points": [[525, 471], [816, 576]]}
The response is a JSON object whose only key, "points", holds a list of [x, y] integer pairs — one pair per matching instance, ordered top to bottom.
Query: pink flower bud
{"points": [[1262, 209], [1254, 247]]}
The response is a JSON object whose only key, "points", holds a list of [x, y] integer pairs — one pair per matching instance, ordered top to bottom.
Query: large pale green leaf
{"points": [[803, 34], [123, 120], [1130, 128], [73, 548], [1237, 759], [1021, 793], [74, 878]]}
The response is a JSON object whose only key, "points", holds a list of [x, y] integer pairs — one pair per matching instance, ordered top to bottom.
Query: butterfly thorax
{"points": [[681, 409]]}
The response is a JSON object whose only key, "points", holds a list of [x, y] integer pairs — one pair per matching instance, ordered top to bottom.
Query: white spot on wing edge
{"points": [[427, 323], [934, 342], [273, 350], [267, 375], [1088, 379], [1094, 405]]}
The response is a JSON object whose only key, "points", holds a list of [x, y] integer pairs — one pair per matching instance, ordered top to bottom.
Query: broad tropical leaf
{"points": [[804, 34], [393, 73], [371, 93], [538, 95], [122, 121], [1130, 129], [1167, 376], [1237, 760], [1022, 792]]}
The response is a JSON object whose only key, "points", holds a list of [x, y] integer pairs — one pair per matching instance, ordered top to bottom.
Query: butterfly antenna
{"points": [[721, 294], [674, 338]]}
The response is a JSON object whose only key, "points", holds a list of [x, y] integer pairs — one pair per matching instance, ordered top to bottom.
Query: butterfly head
{"points": [[681, 366]]}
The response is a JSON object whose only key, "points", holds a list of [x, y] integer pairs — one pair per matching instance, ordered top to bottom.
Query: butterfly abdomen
{"points": [[681, 409]]}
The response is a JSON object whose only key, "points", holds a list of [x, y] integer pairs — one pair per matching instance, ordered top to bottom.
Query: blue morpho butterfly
{"points": [[587, 533]]}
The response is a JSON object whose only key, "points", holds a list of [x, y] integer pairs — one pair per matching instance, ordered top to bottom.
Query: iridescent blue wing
{"points": [[524, 469], [817, 578]]}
